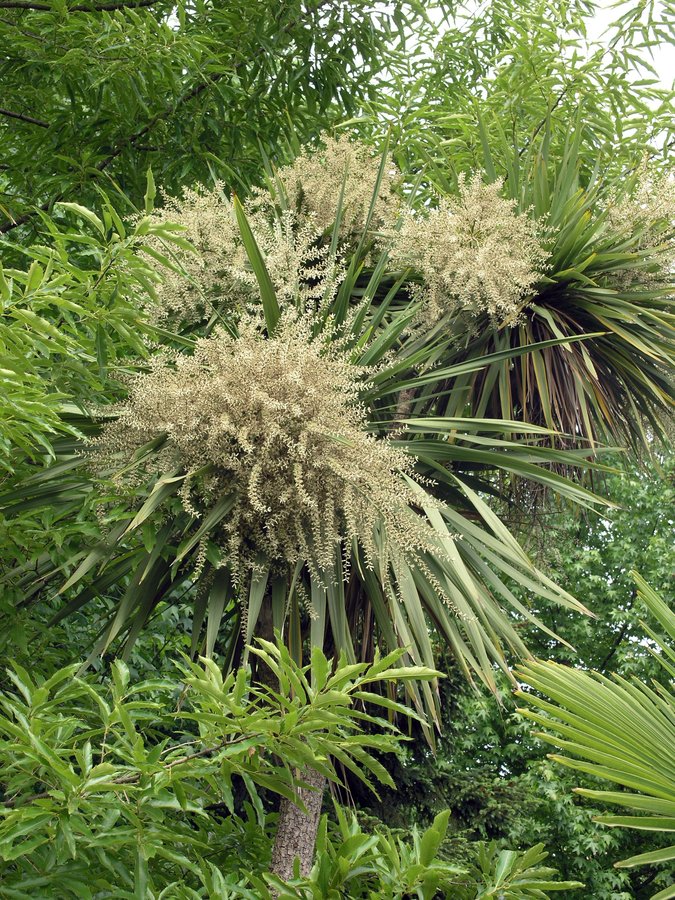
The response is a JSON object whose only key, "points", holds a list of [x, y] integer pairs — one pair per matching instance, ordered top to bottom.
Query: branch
{"points": [[81, 7], [551, 109], [159, 117], [22, 118], [129, 141], [26, 217], [404, 406], [616, 642]]}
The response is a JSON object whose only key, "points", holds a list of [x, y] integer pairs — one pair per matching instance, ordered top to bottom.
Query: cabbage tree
{"points": [[306, 452]]}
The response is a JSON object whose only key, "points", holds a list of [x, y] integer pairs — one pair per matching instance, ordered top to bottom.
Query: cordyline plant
{"points": [[314, 450]]}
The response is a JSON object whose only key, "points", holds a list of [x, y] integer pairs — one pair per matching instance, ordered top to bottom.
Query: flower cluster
{"points": [[314, 183], [649, 208], [645, 217], [291, 235], [473, 252], [216, 272], [218, 276], [278, 424]]}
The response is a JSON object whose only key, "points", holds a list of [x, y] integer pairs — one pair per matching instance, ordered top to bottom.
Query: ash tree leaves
{"points": [[477, 91], [95, 93], [71, 319]]}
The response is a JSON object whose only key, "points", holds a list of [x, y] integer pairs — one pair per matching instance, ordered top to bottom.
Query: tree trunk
{"points": [[404, 407], [296, 830]]}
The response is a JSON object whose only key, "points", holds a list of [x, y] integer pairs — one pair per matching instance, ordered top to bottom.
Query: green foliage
{"points": [[510, 68], [95, 93], [70, 320], [593, 556], [617, 730], [488, 769], [104, 776], [153, 786], [137, 787], [353, 863], [390, 865], [511, 875]]}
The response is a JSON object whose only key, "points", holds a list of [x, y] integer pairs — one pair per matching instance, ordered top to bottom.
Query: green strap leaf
{"points": [[267, 293]]}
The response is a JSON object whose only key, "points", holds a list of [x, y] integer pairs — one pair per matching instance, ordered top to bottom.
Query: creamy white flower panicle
{"points": [[314, 182], [650, 206], [647, 216], [291, 235], [472, 252], [301, 268], [217, 274], [279, 422]]}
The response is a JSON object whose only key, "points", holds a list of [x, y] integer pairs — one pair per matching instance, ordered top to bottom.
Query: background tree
{"points": [[95, 93]]}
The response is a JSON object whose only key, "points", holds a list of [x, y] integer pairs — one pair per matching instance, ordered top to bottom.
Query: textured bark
{"points": [[404, 406], [296, 831]]}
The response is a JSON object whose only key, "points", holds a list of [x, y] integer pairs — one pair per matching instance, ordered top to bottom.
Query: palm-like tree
{"points": [[609, 277], [354, 517]]}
